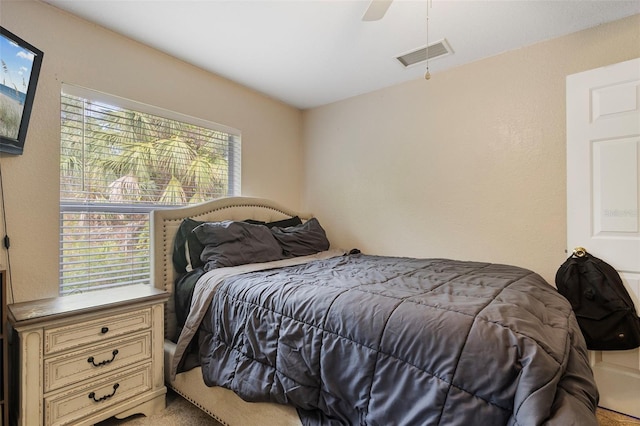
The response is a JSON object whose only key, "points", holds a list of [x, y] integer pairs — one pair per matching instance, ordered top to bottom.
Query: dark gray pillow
{"points": [[283, 223], [302, 240], [230, 243], [186, 247]]}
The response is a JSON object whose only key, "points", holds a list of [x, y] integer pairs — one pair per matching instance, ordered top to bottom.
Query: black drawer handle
{"points": [[104, 330], [106, 361], [92, 395]]}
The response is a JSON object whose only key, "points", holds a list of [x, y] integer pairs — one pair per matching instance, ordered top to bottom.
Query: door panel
{"points": [[615, 192], [603, 211]]}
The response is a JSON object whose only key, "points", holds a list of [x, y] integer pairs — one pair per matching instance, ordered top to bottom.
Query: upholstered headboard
{"points": [[165, 223]]}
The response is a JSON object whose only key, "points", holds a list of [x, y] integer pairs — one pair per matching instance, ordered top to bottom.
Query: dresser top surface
{"points": [[24, 313]]}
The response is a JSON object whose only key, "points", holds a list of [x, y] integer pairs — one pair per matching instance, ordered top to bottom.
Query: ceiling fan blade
{"points": [[376, 10]]}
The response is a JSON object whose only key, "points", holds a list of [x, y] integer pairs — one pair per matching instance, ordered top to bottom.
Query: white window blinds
{"points": [[118, 161]]}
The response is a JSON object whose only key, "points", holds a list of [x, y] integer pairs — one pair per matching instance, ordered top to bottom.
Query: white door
{"points": [[603, 208]]}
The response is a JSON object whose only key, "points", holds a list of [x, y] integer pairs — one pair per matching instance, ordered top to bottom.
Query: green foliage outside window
{"points": [[116, 165]]}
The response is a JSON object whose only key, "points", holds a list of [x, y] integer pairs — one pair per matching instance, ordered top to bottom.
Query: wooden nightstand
{"points": [[87, 357]]}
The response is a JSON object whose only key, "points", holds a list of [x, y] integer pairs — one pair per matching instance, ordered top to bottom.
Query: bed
{"points": [[340, 337]]}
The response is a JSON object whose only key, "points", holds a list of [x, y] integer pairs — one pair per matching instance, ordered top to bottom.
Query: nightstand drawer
{"points": [[93, 331], [74, 367], [68, 407]]}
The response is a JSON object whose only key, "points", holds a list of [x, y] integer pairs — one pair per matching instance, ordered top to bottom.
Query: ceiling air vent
{"points": [[436, 50]]}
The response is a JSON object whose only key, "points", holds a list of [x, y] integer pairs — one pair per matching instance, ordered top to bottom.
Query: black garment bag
{"points": [[605, 312]]}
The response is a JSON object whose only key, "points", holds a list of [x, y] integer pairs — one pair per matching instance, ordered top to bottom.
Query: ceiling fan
{"points": [[376, 10]]}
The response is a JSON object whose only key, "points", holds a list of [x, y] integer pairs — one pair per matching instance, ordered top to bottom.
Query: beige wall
{"points": [[84, 54], [468, 165]]}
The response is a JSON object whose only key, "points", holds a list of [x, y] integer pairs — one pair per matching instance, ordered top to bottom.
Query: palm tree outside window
{"points": [[119, 160]]}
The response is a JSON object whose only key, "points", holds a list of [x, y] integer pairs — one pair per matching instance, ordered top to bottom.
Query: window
{"points": [[118, 161]]}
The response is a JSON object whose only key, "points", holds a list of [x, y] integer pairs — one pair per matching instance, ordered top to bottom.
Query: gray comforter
{"points": [[368, 340]]}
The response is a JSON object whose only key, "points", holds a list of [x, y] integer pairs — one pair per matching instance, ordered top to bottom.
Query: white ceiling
{"points": [[309, 53]]}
